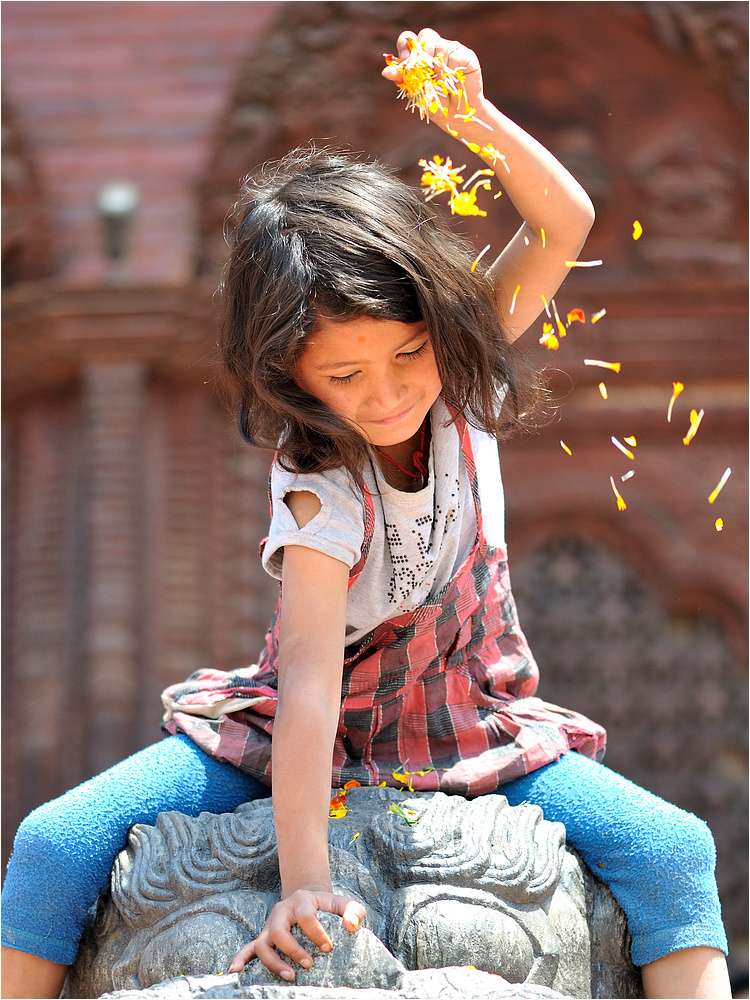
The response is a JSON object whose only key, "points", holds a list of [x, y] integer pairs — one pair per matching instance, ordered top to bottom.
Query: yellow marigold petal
{"points": [[637, 230], [544, 238], [480, 256], [583, 263], [515, 296], [597, 316], [548, 338], [614, 366], [677, 388], [603, 390], [695, 422], [631, 441], [565, 448], [623, 449], [720, 485], [621, 505], [719, 524], [356, 835]]}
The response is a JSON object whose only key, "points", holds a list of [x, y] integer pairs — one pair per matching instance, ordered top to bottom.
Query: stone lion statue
{"points": [[446, 883]]}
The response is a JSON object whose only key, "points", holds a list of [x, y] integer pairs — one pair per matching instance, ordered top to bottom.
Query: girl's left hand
{"points": [[456, 56]]}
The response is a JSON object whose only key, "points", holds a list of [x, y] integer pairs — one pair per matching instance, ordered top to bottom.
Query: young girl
{"points": [[364, 347]]}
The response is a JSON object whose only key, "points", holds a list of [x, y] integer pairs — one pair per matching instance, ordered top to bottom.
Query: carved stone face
{"points": [[474, 883]]}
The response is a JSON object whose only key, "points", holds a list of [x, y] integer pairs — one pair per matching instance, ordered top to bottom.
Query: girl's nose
{"points": [[385, 394]]}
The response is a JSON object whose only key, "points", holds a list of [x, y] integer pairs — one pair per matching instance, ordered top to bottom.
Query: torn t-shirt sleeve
{"points": [[337, 529]]}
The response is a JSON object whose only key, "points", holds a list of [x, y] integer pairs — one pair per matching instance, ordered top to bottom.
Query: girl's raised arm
{"points": [[557, 212], [311, 655]]}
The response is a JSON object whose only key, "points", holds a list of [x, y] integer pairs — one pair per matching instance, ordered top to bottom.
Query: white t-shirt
{"points": [[419, 539]]}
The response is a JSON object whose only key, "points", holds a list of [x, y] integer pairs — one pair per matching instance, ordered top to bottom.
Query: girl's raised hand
{"points": [[456, 57], [300, 908]]}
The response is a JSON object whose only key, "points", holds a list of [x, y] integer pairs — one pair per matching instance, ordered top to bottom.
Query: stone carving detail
{"points": [[709, 32], [694, 198], [670, 688], [466, 883]]}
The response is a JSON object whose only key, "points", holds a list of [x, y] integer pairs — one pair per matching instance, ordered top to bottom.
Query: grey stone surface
{"points": [[465, 883]]}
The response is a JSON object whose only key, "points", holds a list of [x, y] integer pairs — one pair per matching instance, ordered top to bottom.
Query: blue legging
{"points": [[657, 859]]}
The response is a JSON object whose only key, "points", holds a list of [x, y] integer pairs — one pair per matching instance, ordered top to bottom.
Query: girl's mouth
{"points": [[395, 419]]}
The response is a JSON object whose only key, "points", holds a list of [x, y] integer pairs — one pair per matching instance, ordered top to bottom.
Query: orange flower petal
{"points": [[576, 316]]}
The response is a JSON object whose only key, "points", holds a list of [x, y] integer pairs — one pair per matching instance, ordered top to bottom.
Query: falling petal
{"points": [[473, 146], [546, 191], [496, 196], [464, 202], [637, 230], [544, 238], [526, 240], [480, 256], [583, 263], [515, 296], [546, 307], [576, 316], [597, 316], [560, 325], [548, 338], [614, 366], [677, 388], [603, 390], [695, 422], [631, 441], [565, 448], [623, 449], [628, 475], [720, 485], [621, 505], [719, 524], [356, 835]]}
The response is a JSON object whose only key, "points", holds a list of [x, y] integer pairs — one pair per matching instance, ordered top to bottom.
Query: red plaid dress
{"points": [[446, 689]]}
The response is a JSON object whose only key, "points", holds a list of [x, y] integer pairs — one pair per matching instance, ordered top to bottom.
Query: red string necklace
{"points": [[418, 458]]}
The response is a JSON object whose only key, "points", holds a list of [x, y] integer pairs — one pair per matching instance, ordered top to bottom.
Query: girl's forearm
{"points": [[543, 192], [303, 737]]}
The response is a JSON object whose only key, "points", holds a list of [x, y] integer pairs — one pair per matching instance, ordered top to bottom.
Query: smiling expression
{"points": [[379, 375]]}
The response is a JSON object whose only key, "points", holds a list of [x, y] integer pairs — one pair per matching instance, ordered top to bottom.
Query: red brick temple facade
{"points": [[133, 513]]}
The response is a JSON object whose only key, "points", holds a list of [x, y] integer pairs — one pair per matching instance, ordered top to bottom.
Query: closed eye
{"points": [[415, 354]]}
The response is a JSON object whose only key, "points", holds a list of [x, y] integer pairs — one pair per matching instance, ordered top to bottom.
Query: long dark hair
{"points": [[326, 233]]}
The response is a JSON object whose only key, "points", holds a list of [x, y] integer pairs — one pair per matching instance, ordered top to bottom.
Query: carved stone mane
{"points": [[446, 883]]}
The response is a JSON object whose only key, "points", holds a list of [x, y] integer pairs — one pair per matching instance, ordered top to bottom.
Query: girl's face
{"points": [[379, 375]]}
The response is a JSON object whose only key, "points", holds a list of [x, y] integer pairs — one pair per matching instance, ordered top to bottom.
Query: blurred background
{"points": [[133, 513]]}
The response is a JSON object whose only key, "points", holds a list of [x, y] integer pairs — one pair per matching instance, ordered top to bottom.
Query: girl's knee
{"points": [[680, 846]]}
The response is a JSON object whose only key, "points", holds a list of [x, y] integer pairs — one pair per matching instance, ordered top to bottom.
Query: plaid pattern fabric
{"points": [[446, 689]]}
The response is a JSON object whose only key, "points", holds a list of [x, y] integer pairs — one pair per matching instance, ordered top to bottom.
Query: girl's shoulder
{"points": [[338, 529]]}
